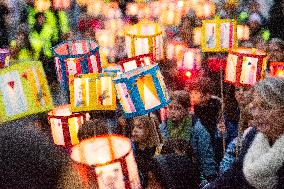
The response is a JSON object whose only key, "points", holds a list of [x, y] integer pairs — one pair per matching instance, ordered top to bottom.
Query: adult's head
{"points": [[179, 106]]}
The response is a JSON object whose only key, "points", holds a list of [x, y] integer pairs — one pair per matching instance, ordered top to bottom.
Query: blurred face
{"points": [[243, 96], [176, 111], [139, 131]]}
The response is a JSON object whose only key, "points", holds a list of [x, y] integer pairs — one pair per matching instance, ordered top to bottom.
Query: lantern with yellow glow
{"points": [[61, 4], [42, 5], [95, 8], [132, 9], [205, 10], [170, 17], [114, 25], [243, 32], [219, 35], [197, 36], [105, 38], [144, 38], [175, 50], [75, 57], [4, 58], [191, 60], [135, 62], [245, 66], [276, 69], [23, 91], [94, 91], [141, 91], [65, 125], [106, 162]]}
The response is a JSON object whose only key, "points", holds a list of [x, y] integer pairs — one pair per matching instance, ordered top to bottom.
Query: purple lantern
{"points": [[4, 58]]}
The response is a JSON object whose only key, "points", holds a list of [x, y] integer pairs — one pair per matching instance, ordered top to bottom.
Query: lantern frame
{"points": [[133, 33], [217, 35], [83, 53], [240, 54], [5, 56], [196, 60], [139, 61], [274, 67], [93, 89], [128, 90], [23, 91], [68, 131], [90, 176]]}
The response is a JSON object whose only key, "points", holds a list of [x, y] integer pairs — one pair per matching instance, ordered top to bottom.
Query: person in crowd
{"points": [[276, 19], [187, 24], [255, 24], [3, 26], [275, 50], [179, 120], [92, 128], [204, 140], [146, 142], [260, 162], [172, 171]]}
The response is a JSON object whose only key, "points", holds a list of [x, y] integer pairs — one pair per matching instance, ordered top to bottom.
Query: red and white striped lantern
{"points": [[135, 62]]}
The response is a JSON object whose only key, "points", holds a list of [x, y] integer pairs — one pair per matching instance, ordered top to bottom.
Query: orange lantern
{"points": [[83, 2], [61, 4], [42, 5], [95, 8], [205, 10], [243, 32], [197, 36], [175, 50], [245, 66], [276, 69], [65, 125], [106, 162]]}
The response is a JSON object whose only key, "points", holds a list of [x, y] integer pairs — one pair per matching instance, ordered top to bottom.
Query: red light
{"points": [[188, 74]]}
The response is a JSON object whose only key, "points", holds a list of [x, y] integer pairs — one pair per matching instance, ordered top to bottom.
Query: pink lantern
{"points": [[135, 62], [106, 162]]}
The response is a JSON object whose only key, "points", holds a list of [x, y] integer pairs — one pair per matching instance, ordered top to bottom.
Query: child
{"points": [[92, 128]]}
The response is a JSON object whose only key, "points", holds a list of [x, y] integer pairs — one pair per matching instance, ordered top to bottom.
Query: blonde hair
{"points": [[271, 90]]}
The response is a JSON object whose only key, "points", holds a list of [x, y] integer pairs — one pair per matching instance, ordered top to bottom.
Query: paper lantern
{"points": [[84, 2], [61, 4], [42, 5], [95, 8], [132, 9], [111, 10], [205, 10], [170, 17], [115, 25], [243, 32], [219, 35], [197, 36], [105, 38], [144, 38], [175, 50], [76, 57], [4, 58], [191, 60], [135, 62], [216, 64], [245, 66], [113, 68], [276, 69], [23, 91], [92, 91], [141, 91], [65, 125], [106, 162]]}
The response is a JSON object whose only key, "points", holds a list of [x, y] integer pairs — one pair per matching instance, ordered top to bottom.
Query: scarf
{"points": [[262, 162]]}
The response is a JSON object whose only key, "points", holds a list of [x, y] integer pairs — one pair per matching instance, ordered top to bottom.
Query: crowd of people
{"points": [[202, 141]]}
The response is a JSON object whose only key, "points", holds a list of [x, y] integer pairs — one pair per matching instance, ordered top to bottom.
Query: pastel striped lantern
{"points": [[61, 4], [42, 5], [243, 32], [219, 35], [144, 38], [175, 50], [75, 57], [4, 58], [191, 60], [135, 62], [245, 66], [276, 69], [23, 91], [94, 91], [141, 91], [65, 125], [106, 162]]}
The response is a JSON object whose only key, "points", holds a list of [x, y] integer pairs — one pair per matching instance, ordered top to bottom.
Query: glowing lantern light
{"points": [[84, 2], [61, 4], [42, 5], [95, 8], [132, 9], [111, 10], [205, 10], [170, 17], [243, 32], [219, 35], [197, 36], [105, 38], [144, 38], [175, 50], [75, 57], [4, 58], [191, 60], [135, 62], [245, 66], [277, 69], [188, 74], [23, 91], [92, 91], [141, 91], [65, 125], [106, 162]]}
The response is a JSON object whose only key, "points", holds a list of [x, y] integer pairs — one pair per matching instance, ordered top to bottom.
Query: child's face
{"points": [[176, 111], [139, 131]]}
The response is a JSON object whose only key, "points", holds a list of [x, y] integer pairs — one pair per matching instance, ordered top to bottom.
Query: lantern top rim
{"points": [[247, 51], [276, 63], [63, 110]]}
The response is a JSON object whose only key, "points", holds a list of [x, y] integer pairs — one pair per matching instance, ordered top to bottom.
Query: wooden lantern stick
{"points": [[222, 110]]}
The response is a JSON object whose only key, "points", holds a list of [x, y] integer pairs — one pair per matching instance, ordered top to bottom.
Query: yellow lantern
{"points": [[61, 4], [42, 5], [205, 10], [170, 17], [243, 32], [219, 35], [197, 36], [144, 38], [175, 50], [245, 66], [276, 69], [92, 92], [65, 125], [106, 162]]}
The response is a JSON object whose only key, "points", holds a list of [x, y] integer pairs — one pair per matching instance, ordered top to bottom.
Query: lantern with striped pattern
{"points": [[135, 62]]}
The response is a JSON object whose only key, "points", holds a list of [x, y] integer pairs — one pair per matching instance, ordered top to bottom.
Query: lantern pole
{"points": [[222, 108]]}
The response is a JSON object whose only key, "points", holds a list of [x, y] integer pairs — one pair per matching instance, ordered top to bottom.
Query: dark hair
{"points": [[181, 97], [92, 128]]}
